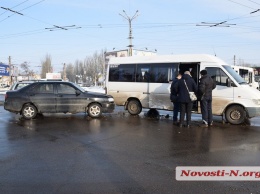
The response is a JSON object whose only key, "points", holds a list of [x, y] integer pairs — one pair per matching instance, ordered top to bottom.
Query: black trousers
{"points": [[176, 109], [186, 109], [206, 110]]}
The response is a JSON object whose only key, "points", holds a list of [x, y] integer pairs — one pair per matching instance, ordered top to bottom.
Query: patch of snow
{"points": [[97, 89]]}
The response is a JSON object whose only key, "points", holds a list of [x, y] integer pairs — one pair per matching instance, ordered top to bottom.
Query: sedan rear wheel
{"points": [[94, 110], [29, 111]]}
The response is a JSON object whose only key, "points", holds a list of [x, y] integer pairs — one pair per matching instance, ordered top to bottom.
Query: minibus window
{"points": [[163, 72], [122, 73], [143, 73], [234, 74], [218, 75]]}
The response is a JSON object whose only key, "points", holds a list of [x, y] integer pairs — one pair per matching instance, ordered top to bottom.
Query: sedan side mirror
{"points": [[78, 92]]}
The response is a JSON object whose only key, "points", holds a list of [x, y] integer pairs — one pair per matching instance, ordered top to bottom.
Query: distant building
{"points": [[124, 53]]}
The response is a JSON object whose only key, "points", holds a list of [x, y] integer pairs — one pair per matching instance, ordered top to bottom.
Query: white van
{"points": [[248, 74], [143, 82]]}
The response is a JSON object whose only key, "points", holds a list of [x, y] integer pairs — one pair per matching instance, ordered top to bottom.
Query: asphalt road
{"points": [[119, 153]]}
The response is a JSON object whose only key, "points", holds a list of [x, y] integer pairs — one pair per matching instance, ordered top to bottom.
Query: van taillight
{"points": [[5, 96]]}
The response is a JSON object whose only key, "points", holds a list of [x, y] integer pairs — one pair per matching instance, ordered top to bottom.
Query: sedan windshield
{"points": [[235, 75], [78, 87]]}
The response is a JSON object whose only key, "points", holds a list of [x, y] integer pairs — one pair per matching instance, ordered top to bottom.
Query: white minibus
{"points": [[248, 74], [143, 82]]}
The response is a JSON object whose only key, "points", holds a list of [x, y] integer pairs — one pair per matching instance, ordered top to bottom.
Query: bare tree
{"points": [[46, 66], [94, 66], [26, 70], [91, 70], [79, 72], [70, 73]]}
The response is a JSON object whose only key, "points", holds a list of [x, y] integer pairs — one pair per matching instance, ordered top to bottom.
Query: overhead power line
{"points": [[254, 2], [241, 4], [32, 5], [8, 9], [255, 11], [16, 12], [219, 24], [62, 27]]}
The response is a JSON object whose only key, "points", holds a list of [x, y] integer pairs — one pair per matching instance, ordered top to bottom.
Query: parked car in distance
{"points": [[257, 79], [4, 85], [56, 97]]}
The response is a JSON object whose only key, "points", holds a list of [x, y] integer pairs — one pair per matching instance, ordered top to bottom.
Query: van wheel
{"points": [[134, 107], [94, 110], [29, 111], [235, 115]]}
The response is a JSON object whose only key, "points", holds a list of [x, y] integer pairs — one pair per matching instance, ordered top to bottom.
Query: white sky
{"points": [[169, 26]]}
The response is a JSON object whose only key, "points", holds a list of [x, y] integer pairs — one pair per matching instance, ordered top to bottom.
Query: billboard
{"points": [[4, 69], [53, 75]]}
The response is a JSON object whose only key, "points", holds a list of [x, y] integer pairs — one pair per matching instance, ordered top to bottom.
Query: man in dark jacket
{"points": [[206, 85], [184, 97], [175, 100]]}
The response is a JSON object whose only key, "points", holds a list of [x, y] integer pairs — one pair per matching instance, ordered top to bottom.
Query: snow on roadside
{"points": [[94, 89], [3, 91]]}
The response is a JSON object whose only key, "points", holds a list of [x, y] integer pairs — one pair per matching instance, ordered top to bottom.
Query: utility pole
{"points": [[130, 19], [10, 70], [64, 72]]}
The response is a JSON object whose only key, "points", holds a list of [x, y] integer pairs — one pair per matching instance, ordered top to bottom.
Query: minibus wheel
{"points": [[134, 107], [235, 115]]}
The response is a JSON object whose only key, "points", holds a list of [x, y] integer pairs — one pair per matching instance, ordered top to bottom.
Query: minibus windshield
{"points": [[235, 75]]}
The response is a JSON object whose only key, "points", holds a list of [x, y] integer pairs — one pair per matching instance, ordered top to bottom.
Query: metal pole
{"points": [[130, 19], [10, 70]]}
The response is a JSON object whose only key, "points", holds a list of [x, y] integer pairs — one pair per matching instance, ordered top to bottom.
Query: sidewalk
{"points": [[3, 91], [2, 96]]}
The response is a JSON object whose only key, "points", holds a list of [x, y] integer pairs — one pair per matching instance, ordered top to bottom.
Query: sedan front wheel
{"points": [[94, 110]]}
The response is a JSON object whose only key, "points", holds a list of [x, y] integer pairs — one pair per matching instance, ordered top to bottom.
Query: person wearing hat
{"points": [[206, 85], [174, 99]]}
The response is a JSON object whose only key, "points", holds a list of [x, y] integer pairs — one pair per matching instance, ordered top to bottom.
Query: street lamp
{"points": [[130, 19]]}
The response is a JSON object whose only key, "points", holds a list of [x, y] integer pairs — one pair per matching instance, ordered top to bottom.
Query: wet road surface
{"points": [[119, 153]]}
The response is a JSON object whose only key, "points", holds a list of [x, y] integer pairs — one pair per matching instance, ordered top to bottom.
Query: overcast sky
{"points": [[226, 28]]}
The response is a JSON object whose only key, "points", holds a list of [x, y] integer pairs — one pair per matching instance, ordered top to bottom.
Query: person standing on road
{"points": [[206, 85], [184, 97], [175, 100]]}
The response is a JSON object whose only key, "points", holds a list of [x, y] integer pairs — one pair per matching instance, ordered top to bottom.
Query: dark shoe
{"points": [[175, 123]]}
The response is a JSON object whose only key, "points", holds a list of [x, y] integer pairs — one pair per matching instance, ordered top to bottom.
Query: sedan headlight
{"points": [[110, 99], [256, 101]]}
